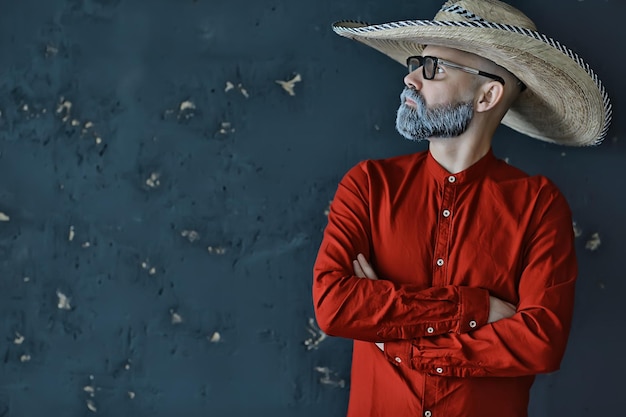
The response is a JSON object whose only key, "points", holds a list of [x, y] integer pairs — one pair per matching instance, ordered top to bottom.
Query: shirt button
{"points": [[451, 178], [446, 213], [440, 262], [472, 324], [430, 330], [398, 359], [439, 370], [427, 413]]}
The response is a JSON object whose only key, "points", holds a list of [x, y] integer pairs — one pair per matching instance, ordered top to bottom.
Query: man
{"points": [[453, 271]]}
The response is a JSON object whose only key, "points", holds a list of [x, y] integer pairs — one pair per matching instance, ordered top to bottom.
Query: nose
{"points": [[414, 79]]}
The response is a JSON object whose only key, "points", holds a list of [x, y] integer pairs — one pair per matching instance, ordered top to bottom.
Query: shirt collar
{"points": [[476, 171]]}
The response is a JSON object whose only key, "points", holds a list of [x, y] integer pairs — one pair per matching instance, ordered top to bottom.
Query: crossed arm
{"points": [[498, 309], [526, 340]]}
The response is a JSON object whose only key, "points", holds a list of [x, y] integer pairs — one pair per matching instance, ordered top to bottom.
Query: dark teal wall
{"points": [[195, 212]]}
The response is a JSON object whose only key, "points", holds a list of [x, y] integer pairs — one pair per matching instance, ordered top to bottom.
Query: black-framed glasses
{"points": [[429, 66]]}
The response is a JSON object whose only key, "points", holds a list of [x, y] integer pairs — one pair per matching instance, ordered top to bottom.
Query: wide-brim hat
{"points": [[564, 102]]}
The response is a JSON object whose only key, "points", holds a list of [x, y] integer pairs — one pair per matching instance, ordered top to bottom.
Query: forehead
{"points": [[451, 54]]}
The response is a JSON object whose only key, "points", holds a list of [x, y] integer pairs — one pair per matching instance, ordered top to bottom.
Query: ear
{"points": [[489, 95]]}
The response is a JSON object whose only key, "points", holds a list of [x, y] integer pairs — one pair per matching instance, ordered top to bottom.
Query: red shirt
{"points": [[440, 245]]}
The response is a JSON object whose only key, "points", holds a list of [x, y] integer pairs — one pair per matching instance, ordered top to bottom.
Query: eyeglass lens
{"points": [[428, 63]]}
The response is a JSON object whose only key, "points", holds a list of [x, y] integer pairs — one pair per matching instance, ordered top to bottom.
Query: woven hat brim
{"points": [[564, 102]]}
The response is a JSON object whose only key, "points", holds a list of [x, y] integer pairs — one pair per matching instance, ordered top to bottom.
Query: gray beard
{"points": [[423, 122]]}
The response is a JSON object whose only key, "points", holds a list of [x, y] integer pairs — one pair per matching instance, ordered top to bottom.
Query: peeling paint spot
{"points": [[51, 50], [289, 86], [240, 87], [243, 91], [187, 105], [64, 109], [186, 109], [86, 126], [226, 128], [153, 181], [327, 211], [4, 217], [578, 232], [71, 234], [191, 235], [594, 242], [217, 250], [146, 265], [63, 301], [176, 318], [317, 335], [215, 337], [19, 339], [25, 358], [330, 377], [131, 395], [92, 406]]}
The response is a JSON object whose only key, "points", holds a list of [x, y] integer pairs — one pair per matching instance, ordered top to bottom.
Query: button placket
{"points": [[443, 233]]}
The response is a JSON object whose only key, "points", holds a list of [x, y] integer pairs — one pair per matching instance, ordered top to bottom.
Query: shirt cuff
{"points": [[474, 308], [399, 352]]}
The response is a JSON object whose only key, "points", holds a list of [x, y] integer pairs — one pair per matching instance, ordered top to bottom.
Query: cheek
{"points": [[450, 95], [436, 97]]}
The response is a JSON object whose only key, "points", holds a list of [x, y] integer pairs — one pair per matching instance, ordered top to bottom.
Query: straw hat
{"points": [[564, 103]]}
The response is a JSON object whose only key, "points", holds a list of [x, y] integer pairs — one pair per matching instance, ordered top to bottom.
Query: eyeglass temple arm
{"points": [[473, 71], [492, 76]]}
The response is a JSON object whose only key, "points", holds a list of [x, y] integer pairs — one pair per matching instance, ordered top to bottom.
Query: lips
{"points": [[410, 102]]}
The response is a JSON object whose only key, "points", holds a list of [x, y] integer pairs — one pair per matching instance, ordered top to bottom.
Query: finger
{"points": [[365, 266], [357, 269]]}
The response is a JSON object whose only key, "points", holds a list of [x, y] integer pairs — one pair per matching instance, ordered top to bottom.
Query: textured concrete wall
{"points": [[162, 201]]}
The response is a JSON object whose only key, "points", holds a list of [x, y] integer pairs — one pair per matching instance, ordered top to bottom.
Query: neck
{"points": [[459, 153]]}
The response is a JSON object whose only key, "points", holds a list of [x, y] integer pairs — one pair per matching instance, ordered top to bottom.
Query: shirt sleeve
{"points": [[379, 310], [533, 340]]}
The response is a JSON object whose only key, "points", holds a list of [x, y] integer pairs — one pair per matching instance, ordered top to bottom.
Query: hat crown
{"points": [[493, 11]]}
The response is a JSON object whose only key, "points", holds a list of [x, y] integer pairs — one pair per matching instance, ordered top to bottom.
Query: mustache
{"points": [[412, 94]]}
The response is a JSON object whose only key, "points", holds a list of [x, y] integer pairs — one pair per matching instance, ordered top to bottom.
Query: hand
{"points": [[362, 268], [499, 309]]}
